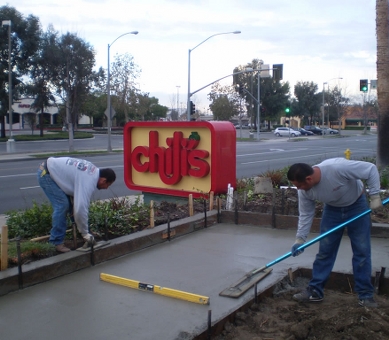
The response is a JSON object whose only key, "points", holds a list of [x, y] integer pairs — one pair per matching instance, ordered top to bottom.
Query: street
{"points": [[20, 189]]}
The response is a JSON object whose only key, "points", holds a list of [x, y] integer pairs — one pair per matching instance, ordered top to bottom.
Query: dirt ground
{"points": [[285, 202], [337, 317]]}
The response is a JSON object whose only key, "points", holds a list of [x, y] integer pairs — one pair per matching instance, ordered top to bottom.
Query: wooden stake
{"points": [[211, 198], [190, 205], [152, 214], [41, 238], [4, 248]]}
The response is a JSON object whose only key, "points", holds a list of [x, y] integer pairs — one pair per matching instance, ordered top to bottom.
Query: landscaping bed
{"points": [[337, 317]]}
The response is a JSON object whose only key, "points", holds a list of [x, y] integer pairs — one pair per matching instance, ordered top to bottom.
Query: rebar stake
{"points": [[205, 213], [168, 226], [106, 229], [92, 254], [20, 273], [209, 324]]}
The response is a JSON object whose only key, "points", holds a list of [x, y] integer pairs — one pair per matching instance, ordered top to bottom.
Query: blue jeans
{"points": [[60, 203], [359, 234]]}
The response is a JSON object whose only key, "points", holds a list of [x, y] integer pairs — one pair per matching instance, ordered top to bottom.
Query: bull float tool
{"points": [[251, 278]]}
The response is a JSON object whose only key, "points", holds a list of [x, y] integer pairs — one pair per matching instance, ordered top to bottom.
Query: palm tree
{"points": [[382, 32]]}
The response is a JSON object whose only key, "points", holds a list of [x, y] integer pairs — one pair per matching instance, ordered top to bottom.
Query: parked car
{"points": [[314, 129], [285, 131], [329, 131], [304, 132]]}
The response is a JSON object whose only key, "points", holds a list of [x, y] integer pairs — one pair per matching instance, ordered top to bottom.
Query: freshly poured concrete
{"points": [[80, 306]]}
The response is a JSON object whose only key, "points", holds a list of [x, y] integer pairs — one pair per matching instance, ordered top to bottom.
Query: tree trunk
{"points": [[382, 32], [41, 123]]}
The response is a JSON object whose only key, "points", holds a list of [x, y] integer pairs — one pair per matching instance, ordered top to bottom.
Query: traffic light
{"points": [[278, 71], [363, 85], [241, 89], [192, 110], [287, 111]]}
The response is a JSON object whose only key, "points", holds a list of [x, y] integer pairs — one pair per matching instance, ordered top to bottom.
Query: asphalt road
{"points": [[19, 188]]}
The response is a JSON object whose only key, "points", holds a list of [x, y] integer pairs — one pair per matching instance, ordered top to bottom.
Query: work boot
{"points": [[61, 248], [307, 295], [369, 302]]}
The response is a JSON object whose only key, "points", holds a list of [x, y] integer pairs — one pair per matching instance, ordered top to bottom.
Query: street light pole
{"points": [[189, 51], [326, 82], [178, 96], [259, 105], [109, 110], [322, 120], [11, 141]]}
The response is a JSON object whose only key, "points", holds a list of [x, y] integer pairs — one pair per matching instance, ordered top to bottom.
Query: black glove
{"points": [[299, 241]]}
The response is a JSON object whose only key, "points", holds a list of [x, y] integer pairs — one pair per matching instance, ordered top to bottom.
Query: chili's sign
{"points": [[179, 158]]}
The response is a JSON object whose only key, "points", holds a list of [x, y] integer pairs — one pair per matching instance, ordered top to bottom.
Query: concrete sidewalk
{"points": [[205, 262]]}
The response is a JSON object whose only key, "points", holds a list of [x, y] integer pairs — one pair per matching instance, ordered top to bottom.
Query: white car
{"points": [[285, 131], [329, 131]]}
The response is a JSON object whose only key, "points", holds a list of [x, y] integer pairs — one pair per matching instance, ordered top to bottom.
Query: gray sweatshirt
{"points": [[77, 178], [340, 186]]}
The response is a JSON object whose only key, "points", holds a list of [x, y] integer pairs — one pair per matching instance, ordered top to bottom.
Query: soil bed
{"points": [[338, 316]]}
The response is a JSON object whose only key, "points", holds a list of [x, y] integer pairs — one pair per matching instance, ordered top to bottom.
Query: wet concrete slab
{"points": [[205, 262]]}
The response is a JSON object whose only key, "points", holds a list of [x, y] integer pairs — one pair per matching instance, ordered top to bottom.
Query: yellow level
{"points": [[178, 294]]}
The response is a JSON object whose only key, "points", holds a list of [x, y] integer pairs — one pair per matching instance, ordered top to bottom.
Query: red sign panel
{"points": [[180, 158]]}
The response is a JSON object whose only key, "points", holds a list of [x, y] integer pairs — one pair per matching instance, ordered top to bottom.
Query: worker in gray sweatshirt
{"points": [[66, 179], [336, 182]]}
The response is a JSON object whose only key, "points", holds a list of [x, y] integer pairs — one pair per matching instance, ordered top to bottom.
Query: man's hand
{"points": [[375, 202], [89, 239], [299, 241]]}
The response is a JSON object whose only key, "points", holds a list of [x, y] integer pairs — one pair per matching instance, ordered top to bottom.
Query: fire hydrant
{"points": [[347, 153]]}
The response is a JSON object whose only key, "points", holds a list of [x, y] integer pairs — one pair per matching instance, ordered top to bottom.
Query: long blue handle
{"points": [[317, 239]]}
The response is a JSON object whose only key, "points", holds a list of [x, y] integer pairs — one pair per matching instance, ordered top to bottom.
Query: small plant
{"points": [[384, 176], [277, 177], [244, 184], [30, 223]]}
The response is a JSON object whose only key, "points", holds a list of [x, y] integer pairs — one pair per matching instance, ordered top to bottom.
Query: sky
{"points": [[315, 40]]}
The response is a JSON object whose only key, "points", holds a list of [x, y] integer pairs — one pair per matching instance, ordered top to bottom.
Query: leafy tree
{"points": [[24, 43], [45, 62], [73, 77], [123, 83], [274, 94], [274, 99], [225, 101], [308, 101], [337, 105], [94, 107], [148, 108], [30, 118]]}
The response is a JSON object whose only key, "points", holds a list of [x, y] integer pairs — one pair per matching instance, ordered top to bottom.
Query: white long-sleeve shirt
{"points": [[77, 178], [340, 186]]}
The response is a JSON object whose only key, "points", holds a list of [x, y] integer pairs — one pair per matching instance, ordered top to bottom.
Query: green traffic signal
{"points": [[363, 85], [287, 110]]}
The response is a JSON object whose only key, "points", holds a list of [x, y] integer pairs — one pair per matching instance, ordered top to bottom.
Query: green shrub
{"points": [[118, 215], [30, 223]]}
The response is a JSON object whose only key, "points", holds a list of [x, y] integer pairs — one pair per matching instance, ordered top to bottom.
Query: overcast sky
{"points": [[315, 40]]}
